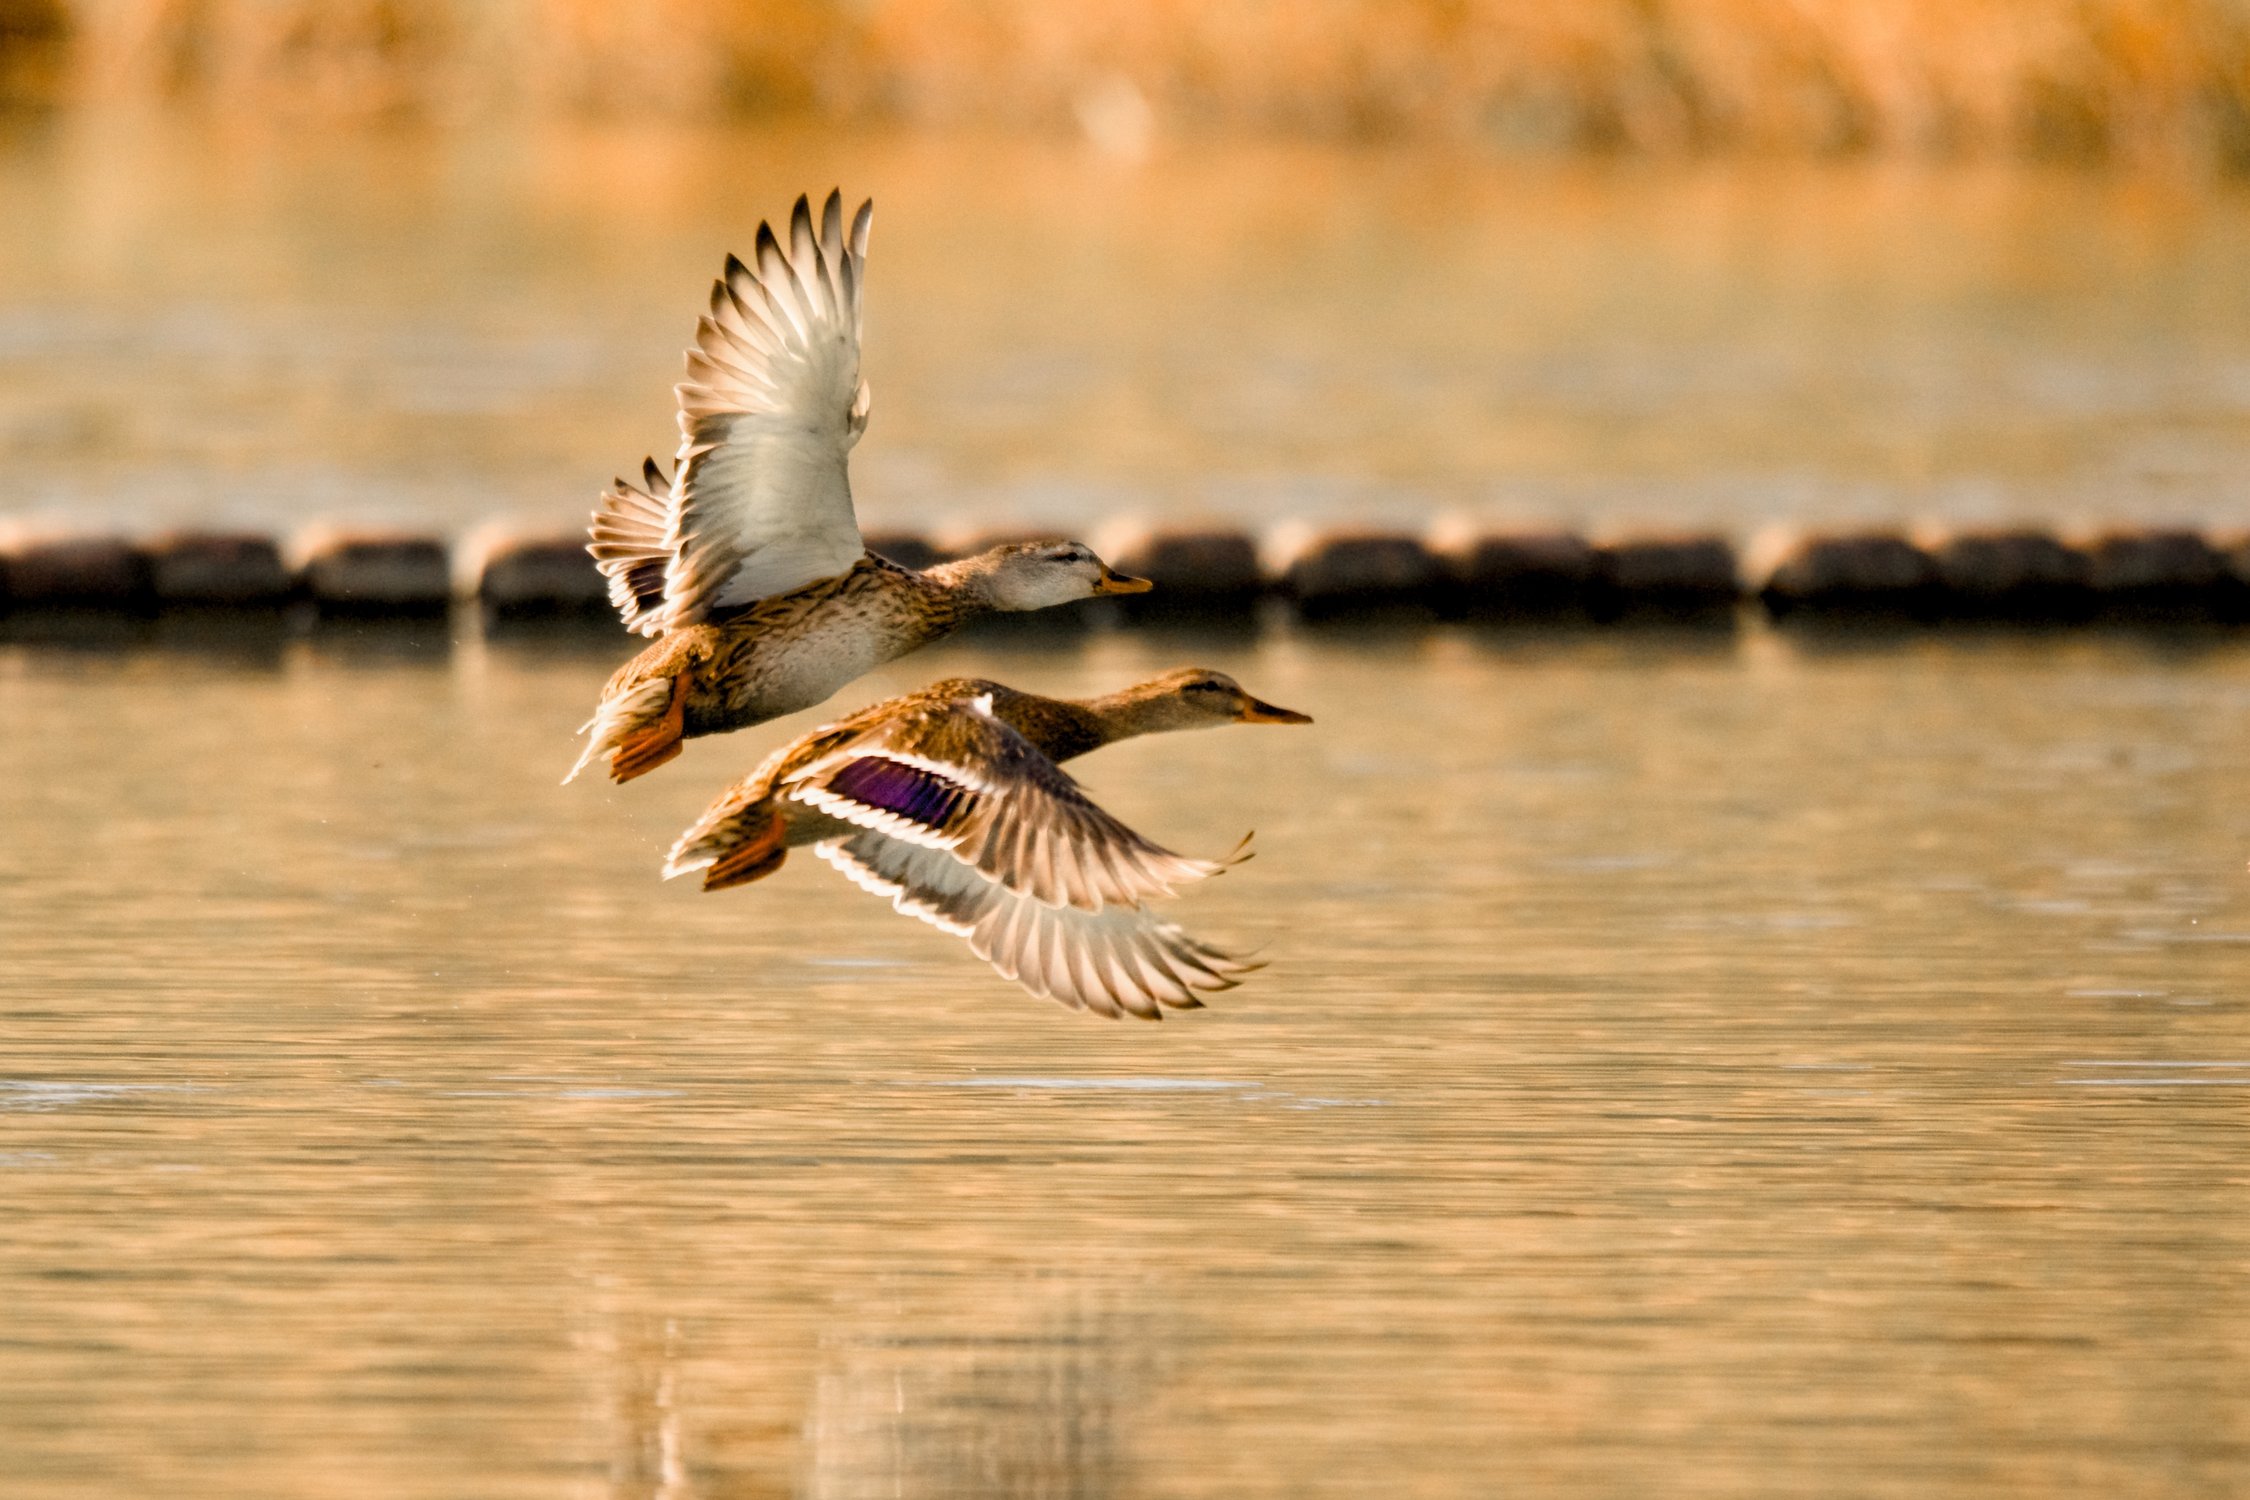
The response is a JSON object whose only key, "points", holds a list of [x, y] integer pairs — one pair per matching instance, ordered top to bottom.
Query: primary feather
{"points": [[761, 501], [949, 804], [1007, 810], [1120, 959]]}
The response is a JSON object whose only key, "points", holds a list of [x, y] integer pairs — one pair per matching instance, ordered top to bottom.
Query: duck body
{"points": [[746, 563], [777, 656], [749, 663], [1057, 727], [951, 803]]}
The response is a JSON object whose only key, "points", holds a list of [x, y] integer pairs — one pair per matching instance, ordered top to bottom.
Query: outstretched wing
{"points": [[772, 405], [629, 545], [951, 777], [1118, 960]]}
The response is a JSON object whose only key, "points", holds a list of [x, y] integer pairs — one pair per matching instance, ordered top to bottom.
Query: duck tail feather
{"points": [[634, 730], [733, 843]]}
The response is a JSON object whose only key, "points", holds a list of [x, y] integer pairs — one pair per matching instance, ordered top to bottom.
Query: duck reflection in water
{"points": [[1010, 1413]]}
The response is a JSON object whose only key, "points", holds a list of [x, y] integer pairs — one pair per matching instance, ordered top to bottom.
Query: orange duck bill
{"points": [[1258, 711]]}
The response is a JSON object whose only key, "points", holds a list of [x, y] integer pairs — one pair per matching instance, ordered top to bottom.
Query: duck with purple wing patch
{"points": [[746, 563], [950, 803]]}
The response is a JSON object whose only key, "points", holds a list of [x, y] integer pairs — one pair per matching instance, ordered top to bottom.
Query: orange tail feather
{"points": [[644, 749], [762, 850]]}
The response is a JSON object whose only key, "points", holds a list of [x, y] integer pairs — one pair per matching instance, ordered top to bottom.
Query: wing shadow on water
{"points": [[1033, 1403]]}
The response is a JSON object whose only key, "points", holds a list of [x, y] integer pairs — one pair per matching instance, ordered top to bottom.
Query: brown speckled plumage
{"points": [[746, 562], [776, 656], [725, 660], [950, 802]]}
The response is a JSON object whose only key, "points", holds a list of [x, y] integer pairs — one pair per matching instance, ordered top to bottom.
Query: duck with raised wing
{"points": [[746, 564], [951, 803]]}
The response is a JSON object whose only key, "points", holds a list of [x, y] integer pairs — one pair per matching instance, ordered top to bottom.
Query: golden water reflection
{"points": [[212, 322], [1704, 1065]]}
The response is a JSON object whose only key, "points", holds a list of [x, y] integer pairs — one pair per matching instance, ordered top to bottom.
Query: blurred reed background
{"points": [[2139, 80], [1697, 262]]}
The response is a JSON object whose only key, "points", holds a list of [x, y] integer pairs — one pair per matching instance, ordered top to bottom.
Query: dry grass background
{"points": [[2141, 80]]}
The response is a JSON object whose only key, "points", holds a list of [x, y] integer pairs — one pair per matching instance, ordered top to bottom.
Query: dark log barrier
{"points": [[44, 569], [218, 570], [1340, 570], [1202, 571], [1212, 571], [371, 572], [515, 573], [1509, 573], [1848, 573], [1680, 575]]}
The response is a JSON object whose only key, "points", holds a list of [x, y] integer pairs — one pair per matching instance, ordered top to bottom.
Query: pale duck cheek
{"points": [[1061, 588]]}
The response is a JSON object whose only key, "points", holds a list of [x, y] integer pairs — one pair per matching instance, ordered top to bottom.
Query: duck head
{"points": [[1039, 575], [1190, 698]]}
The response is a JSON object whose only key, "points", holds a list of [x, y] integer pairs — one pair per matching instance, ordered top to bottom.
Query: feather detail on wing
{"points": [[772, 405], [761, 503], [629, 545], [952, 777], [1119, 960]]}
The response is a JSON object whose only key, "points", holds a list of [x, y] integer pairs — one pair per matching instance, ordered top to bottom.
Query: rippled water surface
{"points": [[1691, 1064]]}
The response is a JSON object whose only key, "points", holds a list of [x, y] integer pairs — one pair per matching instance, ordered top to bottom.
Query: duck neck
{"points": [[961, 590], [1125, 715], [1064, 728]]}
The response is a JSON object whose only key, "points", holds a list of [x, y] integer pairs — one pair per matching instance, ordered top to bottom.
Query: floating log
{"points": [[909, 549], [2235, 550], [1197, 569], [1346, 569], [72, 570], [217, 570], [364, 571], [1214, 571], [517, 572], [1508, 572], [1861, 572], [1689, 573], [2018, 573], [2158, 573]]}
